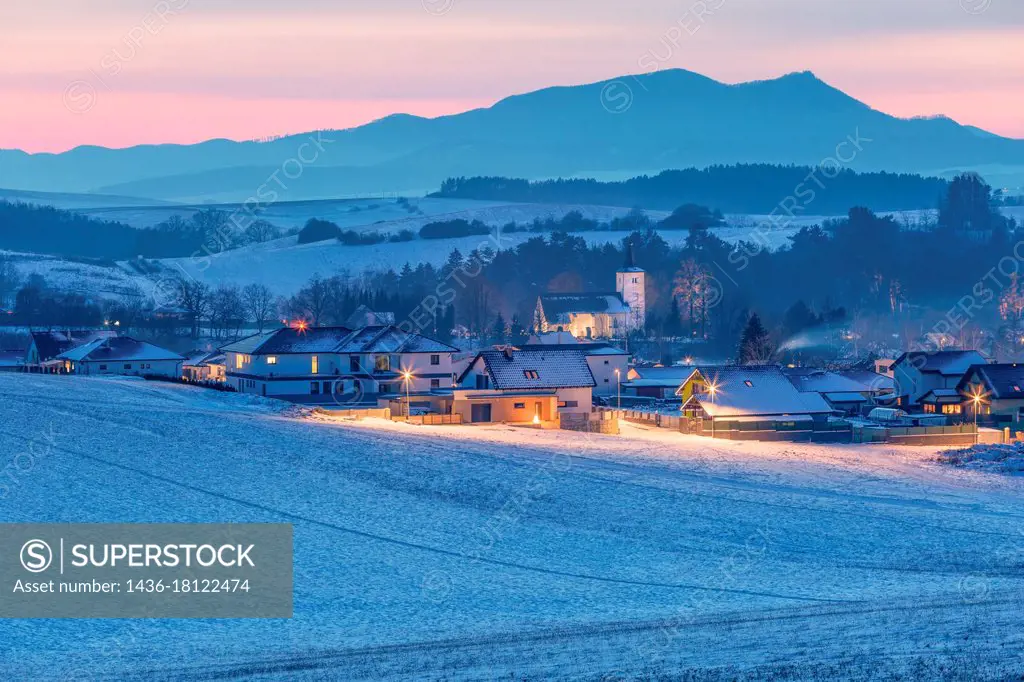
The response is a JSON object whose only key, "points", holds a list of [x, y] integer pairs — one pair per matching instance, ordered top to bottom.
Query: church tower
{"points": [[629, 283]]}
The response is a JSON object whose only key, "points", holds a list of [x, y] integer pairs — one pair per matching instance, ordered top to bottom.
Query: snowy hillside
{"points": [[426, 553]]}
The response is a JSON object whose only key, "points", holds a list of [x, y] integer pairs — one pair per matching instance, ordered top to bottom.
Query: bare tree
{"points": [[261, 231], [194, 298], [313, 300], [259, 304], [227, 312]]}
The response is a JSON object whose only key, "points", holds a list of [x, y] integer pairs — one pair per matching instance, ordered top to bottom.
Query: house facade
{"points": [[598, 315], [123, 356], [338, 364], [608, 364], [203, 366], [929, 379], [511, 385], [1000, 391]]}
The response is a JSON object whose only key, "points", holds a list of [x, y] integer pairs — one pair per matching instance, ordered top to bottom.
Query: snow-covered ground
{"points": [[1007, 459], [426, 553]]}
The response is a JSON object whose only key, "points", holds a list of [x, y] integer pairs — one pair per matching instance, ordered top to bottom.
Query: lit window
{"points": [[271, 359], [238, 361], [382, 363], [316, 364], [531, 374], [748, 383], [1016, 388], [929, 409], [951, 409]]}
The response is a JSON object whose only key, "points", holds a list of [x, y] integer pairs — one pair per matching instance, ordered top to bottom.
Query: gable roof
{"points": [[555, 305], [373, 339], [50, 344], [118, 348], [597, 348], [203, 358], [945, 362], [511, 369], [661, 376], [806, 379], [1001, 381], [755, 390]]}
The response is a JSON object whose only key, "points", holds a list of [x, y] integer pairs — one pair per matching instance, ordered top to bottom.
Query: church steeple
{"points": [[630, 255]]}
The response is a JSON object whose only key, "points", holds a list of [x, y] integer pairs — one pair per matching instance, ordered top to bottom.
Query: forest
{"points": [[744, 188]]}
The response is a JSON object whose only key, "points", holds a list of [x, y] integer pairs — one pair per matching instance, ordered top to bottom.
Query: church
{"points": [[598, 315]]}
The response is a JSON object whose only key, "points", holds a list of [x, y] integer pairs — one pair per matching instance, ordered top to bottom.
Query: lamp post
{"points": [[407, 378], [712, 389], [618, 390], [976, 398]]}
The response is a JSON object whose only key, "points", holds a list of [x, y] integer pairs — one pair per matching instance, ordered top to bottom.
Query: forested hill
{"points": [[745, 188]]}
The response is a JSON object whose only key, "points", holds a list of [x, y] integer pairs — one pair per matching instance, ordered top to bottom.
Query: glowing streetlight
{"points": [[407, 379], [712, 391], [977, 398]]}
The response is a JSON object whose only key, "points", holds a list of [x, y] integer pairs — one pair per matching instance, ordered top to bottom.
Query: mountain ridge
{"points": [[621, 126]]}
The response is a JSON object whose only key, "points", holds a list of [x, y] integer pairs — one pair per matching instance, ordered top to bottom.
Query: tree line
{"points": [[742, 188]]}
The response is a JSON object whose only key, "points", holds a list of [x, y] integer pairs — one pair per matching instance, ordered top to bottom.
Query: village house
{"points": [[598, 315], [45, 346], [121, 355], [338, 364], [608, 364], [202, 366], [929, 379], [659, 383], [510, 385], [996, 390], [848, 392], [756, 399]]}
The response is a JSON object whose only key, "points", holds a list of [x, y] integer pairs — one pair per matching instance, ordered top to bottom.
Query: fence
{"points": [[357, 413], [430, 419], [600, 421], [961, 434]]}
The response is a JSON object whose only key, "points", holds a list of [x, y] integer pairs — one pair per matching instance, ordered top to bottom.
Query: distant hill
{"points": [[613, 130], [746, 188]]}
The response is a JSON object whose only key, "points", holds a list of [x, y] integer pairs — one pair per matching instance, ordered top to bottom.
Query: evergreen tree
{"points": [[755, 344]]}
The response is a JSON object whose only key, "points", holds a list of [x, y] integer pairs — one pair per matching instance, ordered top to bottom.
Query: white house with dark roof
{"points": [[598, 315], [45, 346], [121, 355], [608, 363], [338, 364], [930, 379], [521, 386]]}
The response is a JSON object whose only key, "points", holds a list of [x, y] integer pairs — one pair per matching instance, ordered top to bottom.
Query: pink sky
{"points": [[123, 72]]}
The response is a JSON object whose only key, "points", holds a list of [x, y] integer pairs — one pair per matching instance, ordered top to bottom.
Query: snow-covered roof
{"points": [[556, 305], [553, 338], [373, 339], [50, 344], [118, 348], [597, 348], [204, 358], [946, 362], [515, 369], [669, 377], [822, 381], [1000, 381], [875, 382], [756, 390], [941, 395], [845, 397]]}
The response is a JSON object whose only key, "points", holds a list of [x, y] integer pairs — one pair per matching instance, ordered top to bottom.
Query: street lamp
{"points": [[407, 378], [618, 389], [712, 389], [976, 398]]}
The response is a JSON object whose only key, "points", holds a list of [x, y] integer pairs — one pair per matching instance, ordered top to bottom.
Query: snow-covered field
{"points": [[429, 553]]}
